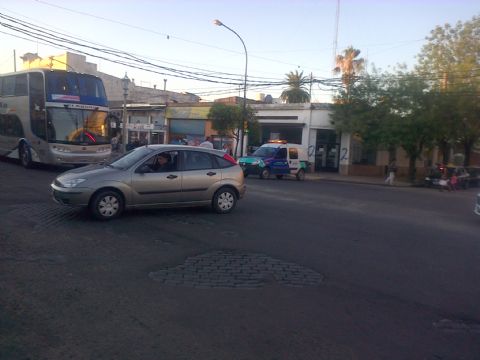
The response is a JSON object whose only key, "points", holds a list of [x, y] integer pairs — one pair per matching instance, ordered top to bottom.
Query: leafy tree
{"points": [[450, 60], [349, 67], [296, 92], [365, 111], [387, 111], [228, 120], [411, 122]]}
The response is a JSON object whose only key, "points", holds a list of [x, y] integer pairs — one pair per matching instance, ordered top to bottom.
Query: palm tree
{"points": [[348, 66], [296, 92]]}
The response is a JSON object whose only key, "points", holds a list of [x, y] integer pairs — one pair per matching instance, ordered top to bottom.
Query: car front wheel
{"points": [[265, 173], [301, 175], [224, 201], [107, 205]]}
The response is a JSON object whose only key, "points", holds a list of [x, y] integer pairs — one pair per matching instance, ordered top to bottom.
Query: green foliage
{"points": [[450, 60], [296, 92], [436, 104], [386, 111], [228, 120]]}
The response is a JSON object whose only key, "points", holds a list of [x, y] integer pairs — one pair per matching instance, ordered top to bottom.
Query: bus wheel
{"points": [[25, 155], [265, 173], [301, 175], [106, 205]]}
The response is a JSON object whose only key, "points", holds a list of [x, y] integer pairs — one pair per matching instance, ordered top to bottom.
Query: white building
{"points": [[309, 125]]}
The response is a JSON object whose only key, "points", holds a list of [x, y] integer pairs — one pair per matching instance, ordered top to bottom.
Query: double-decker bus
{"points": [[53, 117]]}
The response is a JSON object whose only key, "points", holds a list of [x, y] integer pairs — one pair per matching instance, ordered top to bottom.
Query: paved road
{"points": [[312, 270]]}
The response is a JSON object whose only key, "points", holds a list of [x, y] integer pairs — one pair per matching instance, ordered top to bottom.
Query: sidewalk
{"points": [[367, 180]]}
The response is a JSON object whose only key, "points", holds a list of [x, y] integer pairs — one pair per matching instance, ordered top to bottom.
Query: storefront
{"points": [[145, 124], [189, 124], [327, 150]]}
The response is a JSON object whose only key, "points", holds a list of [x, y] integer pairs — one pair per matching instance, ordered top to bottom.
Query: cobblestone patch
{"points": [[47, 216], [49, 259], [234, 270], [455, 326]]}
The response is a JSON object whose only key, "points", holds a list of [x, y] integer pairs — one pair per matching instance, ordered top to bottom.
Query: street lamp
{"points": [[125, 83], [244, 123]]}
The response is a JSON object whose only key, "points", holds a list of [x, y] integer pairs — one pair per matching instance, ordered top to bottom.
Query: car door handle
{"points": [[211, 173], [172, 176]]}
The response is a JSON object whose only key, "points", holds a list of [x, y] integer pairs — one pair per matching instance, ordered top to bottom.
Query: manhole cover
{"points": [[226, 269]]}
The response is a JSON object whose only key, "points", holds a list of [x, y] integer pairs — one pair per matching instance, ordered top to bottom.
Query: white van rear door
{"points": [[293, 160]]}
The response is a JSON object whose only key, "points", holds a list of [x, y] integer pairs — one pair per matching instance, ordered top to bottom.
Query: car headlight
{"points": [[72, 183]]}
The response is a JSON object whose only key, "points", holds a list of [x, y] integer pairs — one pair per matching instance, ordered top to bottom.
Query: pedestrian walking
{"points": [[115, 142], [207, 143], [392, 169]]}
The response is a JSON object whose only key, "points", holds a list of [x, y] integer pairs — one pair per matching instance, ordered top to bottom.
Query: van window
{"points": [[281, 153], [293, 153]]}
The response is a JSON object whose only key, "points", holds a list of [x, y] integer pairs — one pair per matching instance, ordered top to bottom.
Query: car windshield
{"points": [[265, 151], [131, 158]]}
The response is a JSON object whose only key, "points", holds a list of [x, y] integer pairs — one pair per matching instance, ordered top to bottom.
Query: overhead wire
{"points": [[60, 40]]}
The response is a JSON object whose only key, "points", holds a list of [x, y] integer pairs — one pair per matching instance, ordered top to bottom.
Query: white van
{"points": [[276, 157]]}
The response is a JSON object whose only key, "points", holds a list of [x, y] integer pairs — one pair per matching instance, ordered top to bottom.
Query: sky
{"points": [[280, 36]]}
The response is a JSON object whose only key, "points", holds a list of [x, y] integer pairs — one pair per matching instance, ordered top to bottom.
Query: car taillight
{"points": [[230, 159]]}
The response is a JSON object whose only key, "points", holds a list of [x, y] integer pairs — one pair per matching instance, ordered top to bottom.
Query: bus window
{"points": [[60, 83], [21, 85], [8, 86], [91, 87], [37, 105], [10, 125]]}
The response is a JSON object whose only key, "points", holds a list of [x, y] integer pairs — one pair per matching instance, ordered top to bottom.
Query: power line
{"points": [[157, 32]]}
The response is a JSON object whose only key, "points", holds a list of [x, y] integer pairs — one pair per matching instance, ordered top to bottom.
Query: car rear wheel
{"points": [[265, 173], [301, 175], [224, 201], [107, 205]]}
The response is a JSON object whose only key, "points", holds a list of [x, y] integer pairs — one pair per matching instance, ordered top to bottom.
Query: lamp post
{"points": [[125, 83], [244, 122]]}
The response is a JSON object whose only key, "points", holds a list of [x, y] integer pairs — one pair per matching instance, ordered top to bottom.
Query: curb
{"points": [[361, 182]]}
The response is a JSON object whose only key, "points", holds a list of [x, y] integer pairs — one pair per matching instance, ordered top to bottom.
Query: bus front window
{"points": [[75, 126]]}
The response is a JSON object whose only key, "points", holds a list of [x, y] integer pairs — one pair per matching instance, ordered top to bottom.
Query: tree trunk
{"points": [[467, 148], [445, 150], [412, 169]]}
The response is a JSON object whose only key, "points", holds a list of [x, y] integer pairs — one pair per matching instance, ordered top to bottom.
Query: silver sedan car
{"points": [[154, 176]]}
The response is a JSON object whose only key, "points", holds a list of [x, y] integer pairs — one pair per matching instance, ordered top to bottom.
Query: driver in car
{"points": [[163, 163]]}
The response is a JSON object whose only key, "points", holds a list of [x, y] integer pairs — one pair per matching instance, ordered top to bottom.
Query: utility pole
{"points": [[335, 39], [14, 60], [311, 83]]}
